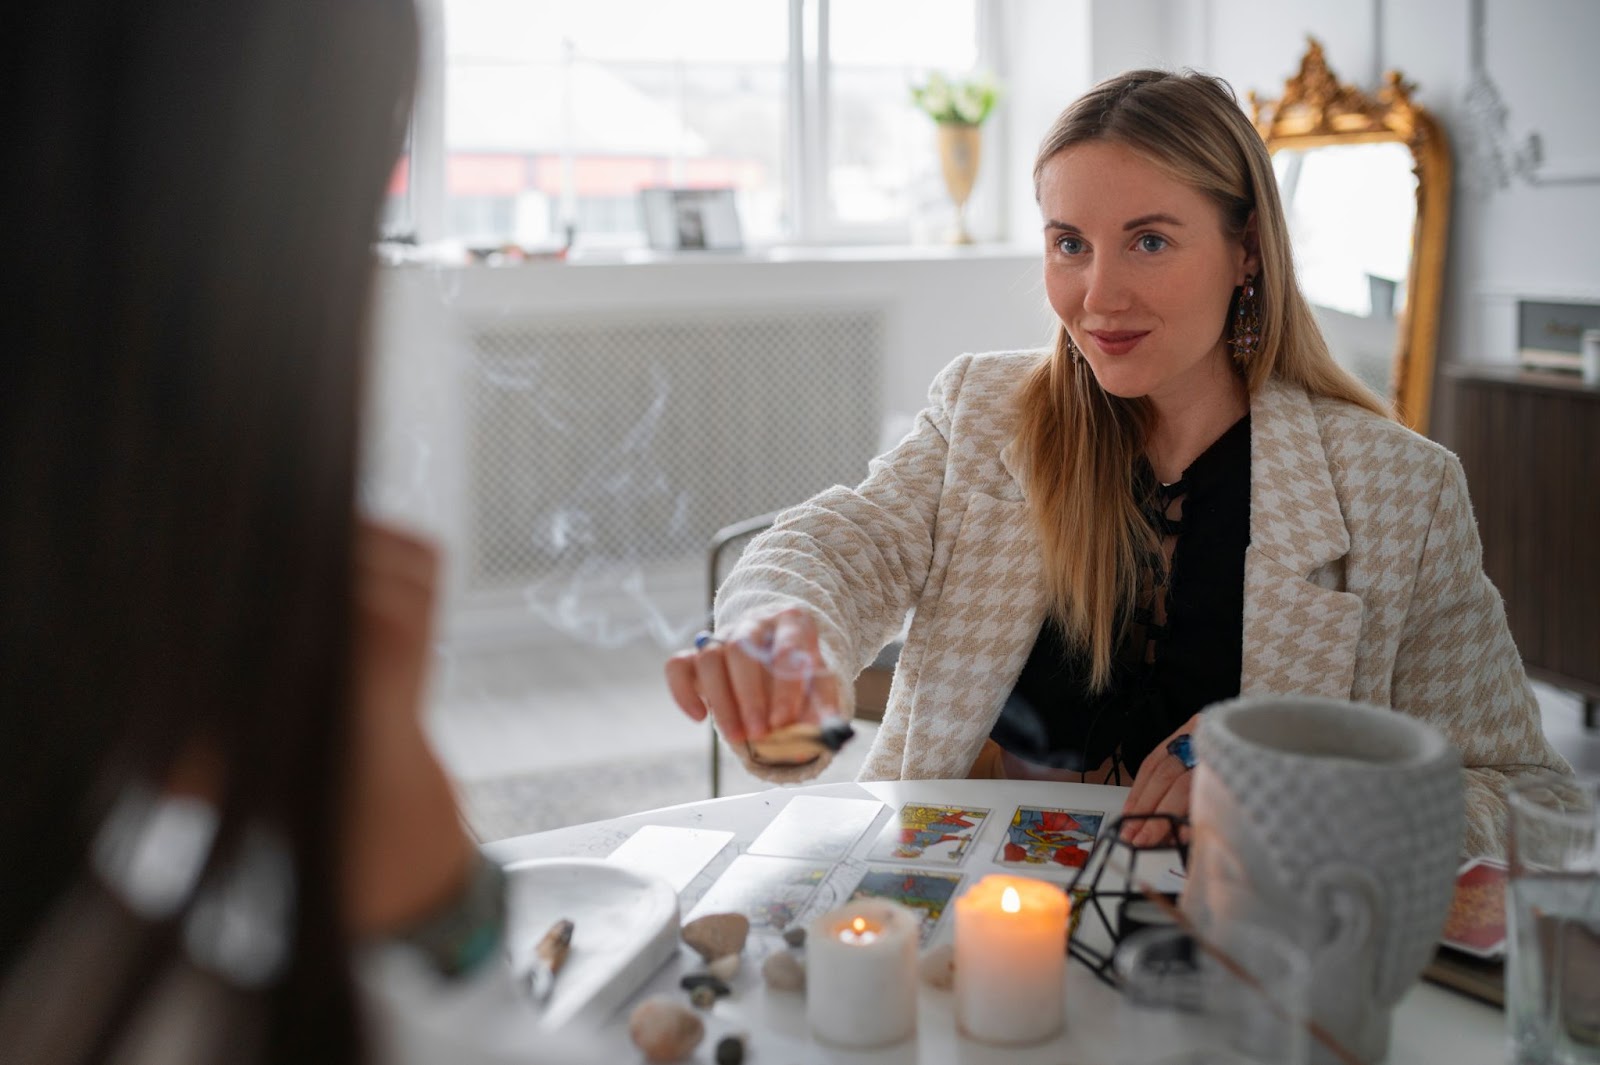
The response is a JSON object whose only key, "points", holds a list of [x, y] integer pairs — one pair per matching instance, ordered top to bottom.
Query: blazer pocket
{"points": [[1299, 638]]}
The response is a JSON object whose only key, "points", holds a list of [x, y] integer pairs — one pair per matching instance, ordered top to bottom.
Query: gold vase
{"points": [[960, 148]]}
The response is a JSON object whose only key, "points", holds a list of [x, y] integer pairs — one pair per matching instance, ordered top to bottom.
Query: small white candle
{"points": [[859, 931], [1011, 959], [861, 974]]}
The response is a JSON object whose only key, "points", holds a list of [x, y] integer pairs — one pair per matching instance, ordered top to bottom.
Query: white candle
{"points": [[1011, 959], [861, 974]]}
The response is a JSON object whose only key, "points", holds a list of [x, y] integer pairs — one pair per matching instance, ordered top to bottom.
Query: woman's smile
{"points": [[1118, 341]]}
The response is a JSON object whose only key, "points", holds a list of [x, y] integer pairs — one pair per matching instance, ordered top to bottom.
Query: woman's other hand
{"points": [[765, 674], [1160, 787], [407, 853]]}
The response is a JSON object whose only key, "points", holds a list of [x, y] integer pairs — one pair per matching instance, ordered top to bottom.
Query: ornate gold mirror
{"points": [[1365, 182]]}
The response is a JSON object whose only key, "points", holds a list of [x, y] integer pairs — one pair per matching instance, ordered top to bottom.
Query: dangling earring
{"points": [[1245, 336], [1072, 349]]}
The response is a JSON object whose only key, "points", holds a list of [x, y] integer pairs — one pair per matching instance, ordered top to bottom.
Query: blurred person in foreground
{"points": [[221, 813]]}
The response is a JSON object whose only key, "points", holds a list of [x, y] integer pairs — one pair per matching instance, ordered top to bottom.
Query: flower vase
{"points": [[960, 148]]}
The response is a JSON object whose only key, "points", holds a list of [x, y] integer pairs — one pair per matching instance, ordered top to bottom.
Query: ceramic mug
{"points": [[1336, 824]]}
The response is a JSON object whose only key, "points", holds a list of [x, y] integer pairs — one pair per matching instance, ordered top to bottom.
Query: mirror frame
{"points": [[1316, 110]]}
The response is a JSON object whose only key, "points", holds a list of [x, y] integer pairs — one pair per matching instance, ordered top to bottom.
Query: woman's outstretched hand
{"points": [[764, 674], [1160, 787]]}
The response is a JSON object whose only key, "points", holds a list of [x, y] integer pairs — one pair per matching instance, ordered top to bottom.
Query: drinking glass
{"points": [[1553, 921], [1183, 1005]]}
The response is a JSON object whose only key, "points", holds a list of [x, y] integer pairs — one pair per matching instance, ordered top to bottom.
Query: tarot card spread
{"points": [[815, 827], [929, 835], [1040, 836], [772, 892], [927, 894]]}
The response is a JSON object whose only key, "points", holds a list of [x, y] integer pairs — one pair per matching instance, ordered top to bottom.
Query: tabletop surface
{"points": [[1431, 1025]]}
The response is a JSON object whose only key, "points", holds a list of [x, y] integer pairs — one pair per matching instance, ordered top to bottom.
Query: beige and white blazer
{"points": [[1363, 581]]}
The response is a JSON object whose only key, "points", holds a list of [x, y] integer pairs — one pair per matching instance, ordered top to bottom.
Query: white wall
{"points": [[1046, 51]]}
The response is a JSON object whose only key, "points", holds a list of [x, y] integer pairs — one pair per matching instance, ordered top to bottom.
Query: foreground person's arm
{"points": [[407, 853]]}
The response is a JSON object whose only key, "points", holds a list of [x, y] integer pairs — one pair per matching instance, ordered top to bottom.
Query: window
{"points": [[556, 114], [881, 168]]}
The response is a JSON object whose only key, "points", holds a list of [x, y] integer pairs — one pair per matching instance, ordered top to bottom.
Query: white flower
{"points": [[961, 101], [969, 103]]}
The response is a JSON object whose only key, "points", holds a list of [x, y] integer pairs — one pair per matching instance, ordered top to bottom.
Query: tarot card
{"points": [[815, 827], [929, 835], [1038, 836], [678, 854], [772, 892], [927, 894], [1079, 897], [1476, 923]]}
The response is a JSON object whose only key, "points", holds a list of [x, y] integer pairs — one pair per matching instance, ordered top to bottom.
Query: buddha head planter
{"points": [[1337, 825]]}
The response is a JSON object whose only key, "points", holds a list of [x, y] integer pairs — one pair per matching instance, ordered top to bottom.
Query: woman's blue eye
{"points": [[1152, 242], [1069, 245]]}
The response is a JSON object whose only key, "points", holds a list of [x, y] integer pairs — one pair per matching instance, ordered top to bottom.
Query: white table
{"points": [[1432, 1025]]}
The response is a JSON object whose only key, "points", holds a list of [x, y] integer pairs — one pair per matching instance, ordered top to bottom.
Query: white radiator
{"points": [[605, 444]]}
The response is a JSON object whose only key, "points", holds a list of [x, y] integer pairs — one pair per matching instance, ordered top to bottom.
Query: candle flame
{"points": [[1011, 902], [858, 926]]}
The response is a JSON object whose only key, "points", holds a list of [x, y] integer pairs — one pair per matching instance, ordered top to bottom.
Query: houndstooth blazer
{"points": [[1363, 581]]}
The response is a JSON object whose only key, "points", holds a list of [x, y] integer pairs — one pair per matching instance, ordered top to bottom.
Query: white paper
{"points": [[676, 854]]}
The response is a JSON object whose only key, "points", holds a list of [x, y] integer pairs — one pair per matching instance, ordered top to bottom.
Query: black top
{"points": [[1162, 674]]}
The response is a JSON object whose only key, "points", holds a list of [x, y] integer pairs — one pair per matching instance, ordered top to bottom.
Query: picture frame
{"points": [[700, 219]]}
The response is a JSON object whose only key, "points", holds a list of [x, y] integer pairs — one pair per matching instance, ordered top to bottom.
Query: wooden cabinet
{"points": [[1530, 444]]}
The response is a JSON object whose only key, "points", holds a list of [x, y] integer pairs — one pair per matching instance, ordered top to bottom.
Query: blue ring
{"points": [[1182, 748]]}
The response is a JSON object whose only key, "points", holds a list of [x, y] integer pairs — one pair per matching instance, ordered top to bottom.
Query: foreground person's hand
{"points": [[765, 674], [1160, 787], [406, 851]]}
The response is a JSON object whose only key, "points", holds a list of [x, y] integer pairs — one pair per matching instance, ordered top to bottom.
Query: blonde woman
{"points": [[1185, 500]]}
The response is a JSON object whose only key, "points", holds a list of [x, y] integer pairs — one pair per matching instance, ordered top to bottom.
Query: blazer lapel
{"points": [[1299, 637]]}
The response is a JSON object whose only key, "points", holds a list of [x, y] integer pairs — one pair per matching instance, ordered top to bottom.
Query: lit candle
{"points": [[859, 930], [1011, 959], [861, 974]]}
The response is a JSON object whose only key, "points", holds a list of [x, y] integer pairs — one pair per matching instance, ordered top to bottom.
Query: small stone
{"points": [[717, 935], [795, 936], [938, 967], [724, 968], [783, 972], [716, 985], [702, 998], [664, 1030], [730, 1050]]}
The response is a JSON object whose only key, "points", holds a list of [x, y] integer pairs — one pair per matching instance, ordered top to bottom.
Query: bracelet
{"points": [[457, 940]]}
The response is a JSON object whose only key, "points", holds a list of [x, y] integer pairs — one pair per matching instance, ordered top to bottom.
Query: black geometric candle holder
{"points": [[1117, 911]]}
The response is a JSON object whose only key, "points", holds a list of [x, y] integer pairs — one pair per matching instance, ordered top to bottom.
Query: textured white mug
{"points": [[1339, 825]]}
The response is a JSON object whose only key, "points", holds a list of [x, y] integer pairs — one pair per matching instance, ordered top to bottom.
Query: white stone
{"points": [[724, 968], [783, 972]]}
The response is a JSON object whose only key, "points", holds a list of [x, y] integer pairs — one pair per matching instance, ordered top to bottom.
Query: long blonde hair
{"points": [[1080, 444]]}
